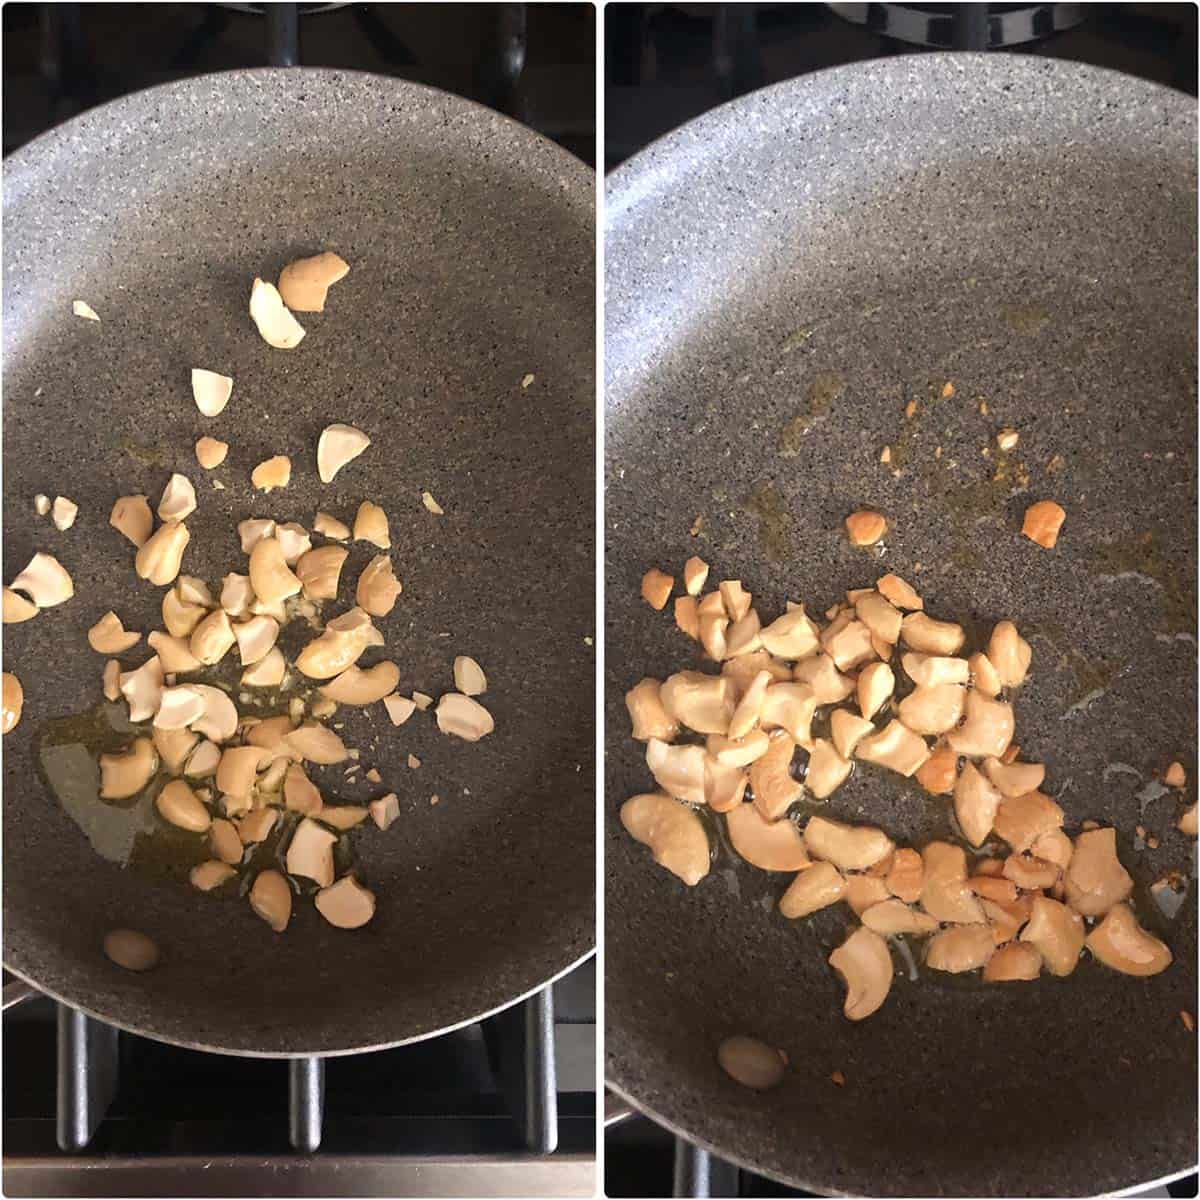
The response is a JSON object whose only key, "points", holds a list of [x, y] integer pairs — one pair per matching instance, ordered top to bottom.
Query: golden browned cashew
{"points": [[304, 284], [272, 473], [330, 527], [865, 528], [695, 573], [899, 593], [17, 608], [179, 616], [879, 616], [922, 633], [742, 635], [792, 636], [255, 638], [848, 642], [1010, 654], [929, 670], [984, 676], [876, 682], [829, 685], [14, 702], [704, 703], [790, 707], [749, 708], [932, 709], [847, 729], [987, 730], [896, 747], [737, 752], [238, 769], [827, 769], [678, 770], [125, 774], [1014, 779], [724, 786], [300, 794], [178, 805], [1023, 819], [1187, 821], [674, 833], [224, 842], [768, 845], [848, 847], [1030, 873], [211, 874], [906, 875], [1095, 879], [814, 888], [863, 891], [945, 893], [271, 899], [346, 904], [891, 917], [1057, 932], [1121, 943], [964, 948], [1014, 961], [865, 966], [751, 1063]]}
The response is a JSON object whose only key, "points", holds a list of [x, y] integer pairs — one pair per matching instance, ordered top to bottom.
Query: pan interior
{"points": [[470, 242], [784, 276]]}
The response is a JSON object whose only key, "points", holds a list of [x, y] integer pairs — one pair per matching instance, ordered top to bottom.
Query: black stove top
{"points": [[532, 62]]}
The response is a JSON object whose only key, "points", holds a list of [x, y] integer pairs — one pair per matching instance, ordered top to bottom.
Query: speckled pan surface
{"points": [[471, 244], [828, 250]]}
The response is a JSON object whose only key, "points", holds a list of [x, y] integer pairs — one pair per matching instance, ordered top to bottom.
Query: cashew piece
{"points": [[273, 320], [211, 391], [338, 445], [210, 454], [178, 499], [131, 516], [1042, 523], [371, 525], [161, 555], [270, 576], [45, 581], [378, 587], [901, 594], [17, 608], [879, 616], [922, 633], [109, 636], [792, 636], [213, 638], [1010, 654], [928, 670], [267, 672], [820, 672], [984, 676], [876, 682], [357, 687], [143, 689], [14, 703], [703, 703], [789, 706], [932, 709], [847, 729], [987, 730], [315, 743], [896, 747], [827, 769], [678, 770], [125, 774], [1014, 779], [775, 791], [976, 802], [178, 805], [1021, 820], [673, 832], [768, 845], [848, 847], [906, 875], [207, 876], [1095, 880], [814, 888], [945, 893], [271, 899], [347, 904], [892, 917], [1057, 932], [1121, 943], [127, 947], [964, 948], [1014, 961], [865, 966], [751, 1063]]}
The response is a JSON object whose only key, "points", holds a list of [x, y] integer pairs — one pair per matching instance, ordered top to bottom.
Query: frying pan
{"points": [[470, 241], [828, 250]]}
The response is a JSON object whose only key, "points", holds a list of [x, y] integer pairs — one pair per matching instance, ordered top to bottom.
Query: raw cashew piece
{"points": [[274, 322], [210, 391], [338, 445], [210, 454], [272, 473], [178, 499], [371, 525], [270, 576], [45, 581], [378, 587], [17, 608], [922, 633], [792, 636], [213, 638], [1010, 654], [876, 682], [358, 687], [14, 703], [703, 703], [932, 709], [987, 730], [315, 743], [895, 747], [827, 769], [775, 791], [178, 805], [1023, 819], [673, 832], [310, 852], [814, 888], [892, 917], [127, 947], [751, 1063]]}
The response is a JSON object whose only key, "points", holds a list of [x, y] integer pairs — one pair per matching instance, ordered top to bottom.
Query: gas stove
{"points": [[666, 64], [503, 1107]]}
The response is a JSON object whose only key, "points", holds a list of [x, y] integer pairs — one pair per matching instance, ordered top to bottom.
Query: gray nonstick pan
{"points": [[470, 241], [784, 276]]}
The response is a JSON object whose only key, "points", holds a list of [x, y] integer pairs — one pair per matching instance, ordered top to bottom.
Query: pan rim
{"points": [[17, 158], [623, 178], [574, 188], [634, 191], [340, 1052]]}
